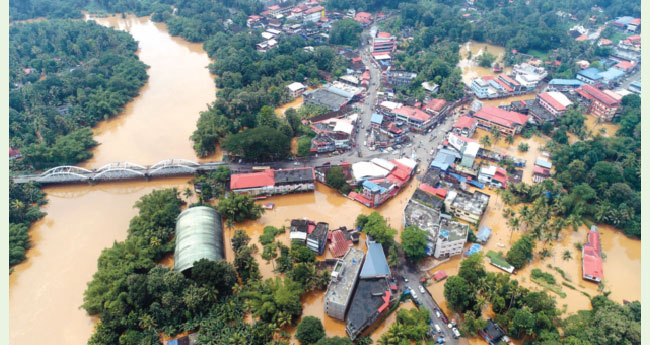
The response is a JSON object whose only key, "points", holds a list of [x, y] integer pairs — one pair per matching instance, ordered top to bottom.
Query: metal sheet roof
{"points": [[199, 235], [375, 265]]}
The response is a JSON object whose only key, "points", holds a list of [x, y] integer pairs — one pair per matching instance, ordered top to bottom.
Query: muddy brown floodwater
{"points": [[470, 68], [45, 291]]}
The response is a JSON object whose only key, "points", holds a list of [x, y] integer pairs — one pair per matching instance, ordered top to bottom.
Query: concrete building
{"points": [[383, 43], [590, 75], [528, 76], [399, 78], [564, 85], [296, 89], [482, 89], [334, 96], [554, 102], [600, 104], [508, 122], [465, 126], [272, 182], [466, 206], [199, 235], [317, 238], [451, 238], [342, 284], [371, 300]]}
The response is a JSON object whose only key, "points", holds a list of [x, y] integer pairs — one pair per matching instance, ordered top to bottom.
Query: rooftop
{"points": [[591, 73], [565, 82], [295, 86], [436, 104], [412, 113], [502, 117], [297, 175], [252, 180], [427, 198], [474, 203], [422, 216], [452, 231], [484, 233], [198, 236], [339, 245], [375, 265], [344, 275], [367, 303]]}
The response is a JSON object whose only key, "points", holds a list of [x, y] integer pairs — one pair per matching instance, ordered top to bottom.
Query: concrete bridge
{"points": [[117, 171]]}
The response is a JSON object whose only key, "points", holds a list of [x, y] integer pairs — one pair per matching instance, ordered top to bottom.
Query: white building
{"points": [[296, 89]]}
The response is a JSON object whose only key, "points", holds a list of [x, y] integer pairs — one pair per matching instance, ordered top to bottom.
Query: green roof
{"points": [[199, 235]]}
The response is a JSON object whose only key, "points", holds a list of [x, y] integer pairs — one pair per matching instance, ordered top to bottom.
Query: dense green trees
{"points": [[347, 32], [90, 73], [258, 144], [336, 179], [24, 200], [239, 207], [375, 226], [414, 242], [521, 251], [275, 301], [411, 325], [310, 330]]}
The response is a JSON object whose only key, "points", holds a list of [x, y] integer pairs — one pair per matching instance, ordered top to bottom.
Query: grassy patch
{"points": [[538, 54], [498, 259], [561, 272], [538, 274], [569, 285], [554, 288], [586, 294]]}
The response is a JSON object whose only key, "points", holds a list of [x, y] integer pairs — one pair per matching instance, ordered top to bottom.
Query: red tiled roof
{"points": [[274, 7], [314, 10], [364, 15], [636, 21], [382, 34], [581, 38], [634, 38], [604, 41], [356, 59], [624, 65], [365, 75], [508, 79], [504, 85], [595, 93], [552, 101], [436, 104], [412, 113], [502, 117], [465, 122], [392, 127], [541, 171], [252, 180], [441, 192], [360, 198], [340, 244], [592, 266], [439, 275]]}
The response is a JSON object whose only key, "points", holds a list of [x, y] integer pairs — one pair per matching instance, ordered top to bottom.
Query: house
{"points": [[314, 14], [364, 18], [253, 21], [623, 22], [633, 25], [626, 66], [528, 75], [590, 75], [612, 76], [399, 78], [564, 85], [430, 87], [635, 87], [296, 89], [482, 89], [331, 97], [554, 102], [601, 104], [437, 108], [416, 119], [376, 120], [508, 122], [465, 126], [322, 142], [470, 150], [14, 153], [444, 159], [541, 162], [540, 174], [494, 176], [380, 179], [271, 182], [466, 206], [299, 230], [483, 234], [317, 238], [451, 238], [339, 245], [592, 262], [343, 283], [493, 333]]}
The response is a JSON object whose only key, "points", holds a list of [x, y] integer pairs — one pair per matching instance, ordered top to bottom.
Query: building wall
{"points": [[602, 110], [448, 248]]}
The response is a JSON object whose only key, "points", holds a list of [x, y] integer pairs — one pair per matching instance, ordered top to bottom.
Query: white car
{"points": [[421, 289], [415, 296], [437, 313]]}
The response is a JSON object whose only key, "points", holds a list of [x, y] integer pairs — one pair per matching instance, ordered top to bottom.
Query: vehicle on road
{"points": [[327, 163], [406, 280], [421, 289], [415, 296], [437, 313], [449, 325], [437, 328], [456, 333]]}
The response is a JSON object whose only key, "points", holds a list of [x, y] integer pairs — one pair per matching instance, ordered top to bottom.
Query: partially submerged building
{"points": [[262, 184], [466, 206], [299, 230], [199, 235], [317, 238], [592, 262], [341, 287]]}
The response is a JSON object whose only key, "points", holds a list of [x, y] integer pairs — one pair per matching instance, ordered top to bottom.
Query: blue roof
{"points": [[624, 20], [592, 73], [612, 74], [575, 82], [377, 118], [444, 158], [543, 163], [462, 179], [373, 187], [483, 234], [475, 248], [375, 264], [173, 342]]}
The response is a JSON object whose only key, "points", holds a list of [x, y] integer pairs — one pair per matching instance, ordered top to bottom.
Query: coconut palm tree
{"points": [[510, 139], [485, 141], [188, 193], [526, 216], [513, 223], [567, 255]]}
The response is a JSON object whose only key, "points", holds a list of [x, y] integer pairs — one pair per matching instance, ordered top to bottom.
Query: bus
{"points": [[261, 168]]}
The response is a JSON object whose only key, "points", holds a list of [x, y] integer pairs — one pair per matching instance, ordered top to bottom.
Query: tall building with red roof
{"points": [[601, 104], [508, 122], [465, 126], [592, 262]]}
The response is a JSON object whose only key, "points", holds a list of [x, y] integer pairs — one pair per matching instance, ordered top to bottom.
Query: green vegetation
{"points": [[347, 32], [486, 59], [90, 73], [258, 144], [304, 146], [523, 147], [336, 179], [213, 183], [24, 200], [239, 207], [375, 226], [269, 235], [414, 242], [521, 251], [498, 259], [538, 274], [547, 286], [275, 301], [411, 325], [310, 330], [335, 341]]}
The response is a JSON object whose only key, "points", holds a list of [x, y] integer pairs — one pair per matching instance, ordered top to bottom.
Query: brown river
{"points": [[47, 289]]}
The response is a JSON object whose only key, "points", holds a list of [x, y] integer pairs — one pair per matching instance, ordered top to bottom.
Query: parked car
{"points": [[421, 289], [437, 313], [456, 333]]}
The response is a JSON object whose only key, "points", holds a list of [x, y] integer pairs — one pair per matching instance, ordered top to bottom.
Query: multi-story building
{"points": [[314, 14], [383, 42], [590, 75], [399, 78], [564, 85], [296, 89], [482, 89], [554, 102], [600, 104], [416, 119], [508, 122], [465, 126], [272, 182], [466, 206], [451, 238], [317, 239], [342, 284]]}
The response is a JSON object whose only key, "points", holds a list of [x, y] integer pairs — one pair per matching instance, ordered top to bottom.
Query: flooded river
{"points": [[47, 289]]}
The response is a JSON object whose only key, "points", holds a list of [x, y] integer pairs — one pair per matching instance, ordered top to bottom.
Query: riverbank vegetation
{"points": [[65, 77], [24, 202], [533, 315]]}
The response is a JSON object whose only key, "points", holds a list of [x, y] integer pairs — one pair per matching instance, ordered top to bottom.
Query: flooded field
{"points": [[470, 69]]}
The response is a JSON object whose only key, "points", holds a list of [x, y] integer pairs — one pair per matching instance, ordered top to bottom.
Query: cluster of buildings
{"points": [[524, 78], [335, 96], [418, 117], [334, 134], [262, 184], [360, 291]]}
